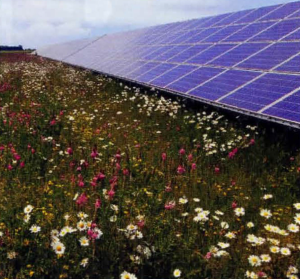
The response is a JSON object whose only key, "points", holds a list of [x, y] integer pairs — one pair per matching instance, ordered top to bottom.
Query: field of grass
{"points": [[99, 180]]}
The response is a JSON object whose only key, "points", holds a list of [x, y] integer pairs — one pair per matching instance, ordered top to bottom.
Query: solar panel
{"points": [[283, 11], [257, 14], [296, 14], [278, 31], [248, 32], [295, 36], [210, 54], [238, 54], [272, 56], [246, 61], [291, 66], [194, 79], [223, 84], [262, 92], [287, 108]]}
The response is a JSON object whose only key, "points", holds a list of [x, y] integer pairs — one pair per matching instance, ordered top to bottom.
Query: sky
{"points": [[34, 23]]}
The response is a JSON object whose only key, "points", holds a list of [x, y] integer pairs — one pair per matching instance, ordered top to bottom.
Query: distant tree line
{"points": [[11, 48]]}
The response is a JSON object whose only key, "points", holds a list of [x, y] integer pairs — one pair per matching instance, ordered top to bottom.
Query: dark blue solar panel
{"points": [[284, 11], [256, 14], [297, 14], [233, 18], [213, 20], [198, 23], [187, 25], [279, 30], [248, 32], [224, 33], [203, 35], [185, 36], [293, 37], [168, 38], [145, 51], [158, 51], [172, 52], [190, 52], [209, 54], [238, 54], [272, 56], [292, 65], [143, 69], [122, 71], [155, 72], [172, 75], [194, 79], [223, 84], [263, 91], [287, 108], [284, 113]]}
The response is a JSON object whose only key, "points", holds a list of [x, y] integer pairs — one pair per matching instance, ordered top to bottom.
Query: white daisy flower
{"points": [[28, 209], [265, 213], [35, 229], [84, 241], [59, 248], [254, 260], [84, 262], [177, 273]]}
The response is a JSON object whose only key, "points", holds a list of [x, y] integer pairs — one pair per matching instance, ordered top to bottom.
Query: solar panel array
{"points": [[247, 61]]}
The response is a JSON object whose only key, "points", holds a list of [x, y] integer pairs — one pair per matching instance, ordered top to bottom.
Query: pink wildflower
{"points": [[69, 150], [181, 152], [180, 170], [82, 199], [98, 203], [170, 205], [234, 205], [208, 255]]}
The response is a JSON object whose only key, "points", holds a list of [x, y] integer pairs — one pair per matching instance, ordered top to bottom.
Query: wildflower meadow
{"points": [[101, 180]]}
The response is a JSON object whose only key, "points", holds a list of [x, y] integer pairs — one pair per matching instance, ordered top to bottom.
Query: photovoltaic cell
{"points": [[283, 11], [257, 14], [297, 14], [233, 18], [213, 20], [197, 23], [277, 31], [248, 32], [222, 34], [185, 36], [201, 36], [293, 37], [169, 38], [159, 51], [172, 52], [190, 52], [210, 54], [238, 54], [272, 56], [292, 66], [142, 70], [155, 72], [172, 75], [194, 79], [223, 84], [262, 91], [287, 108]]}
